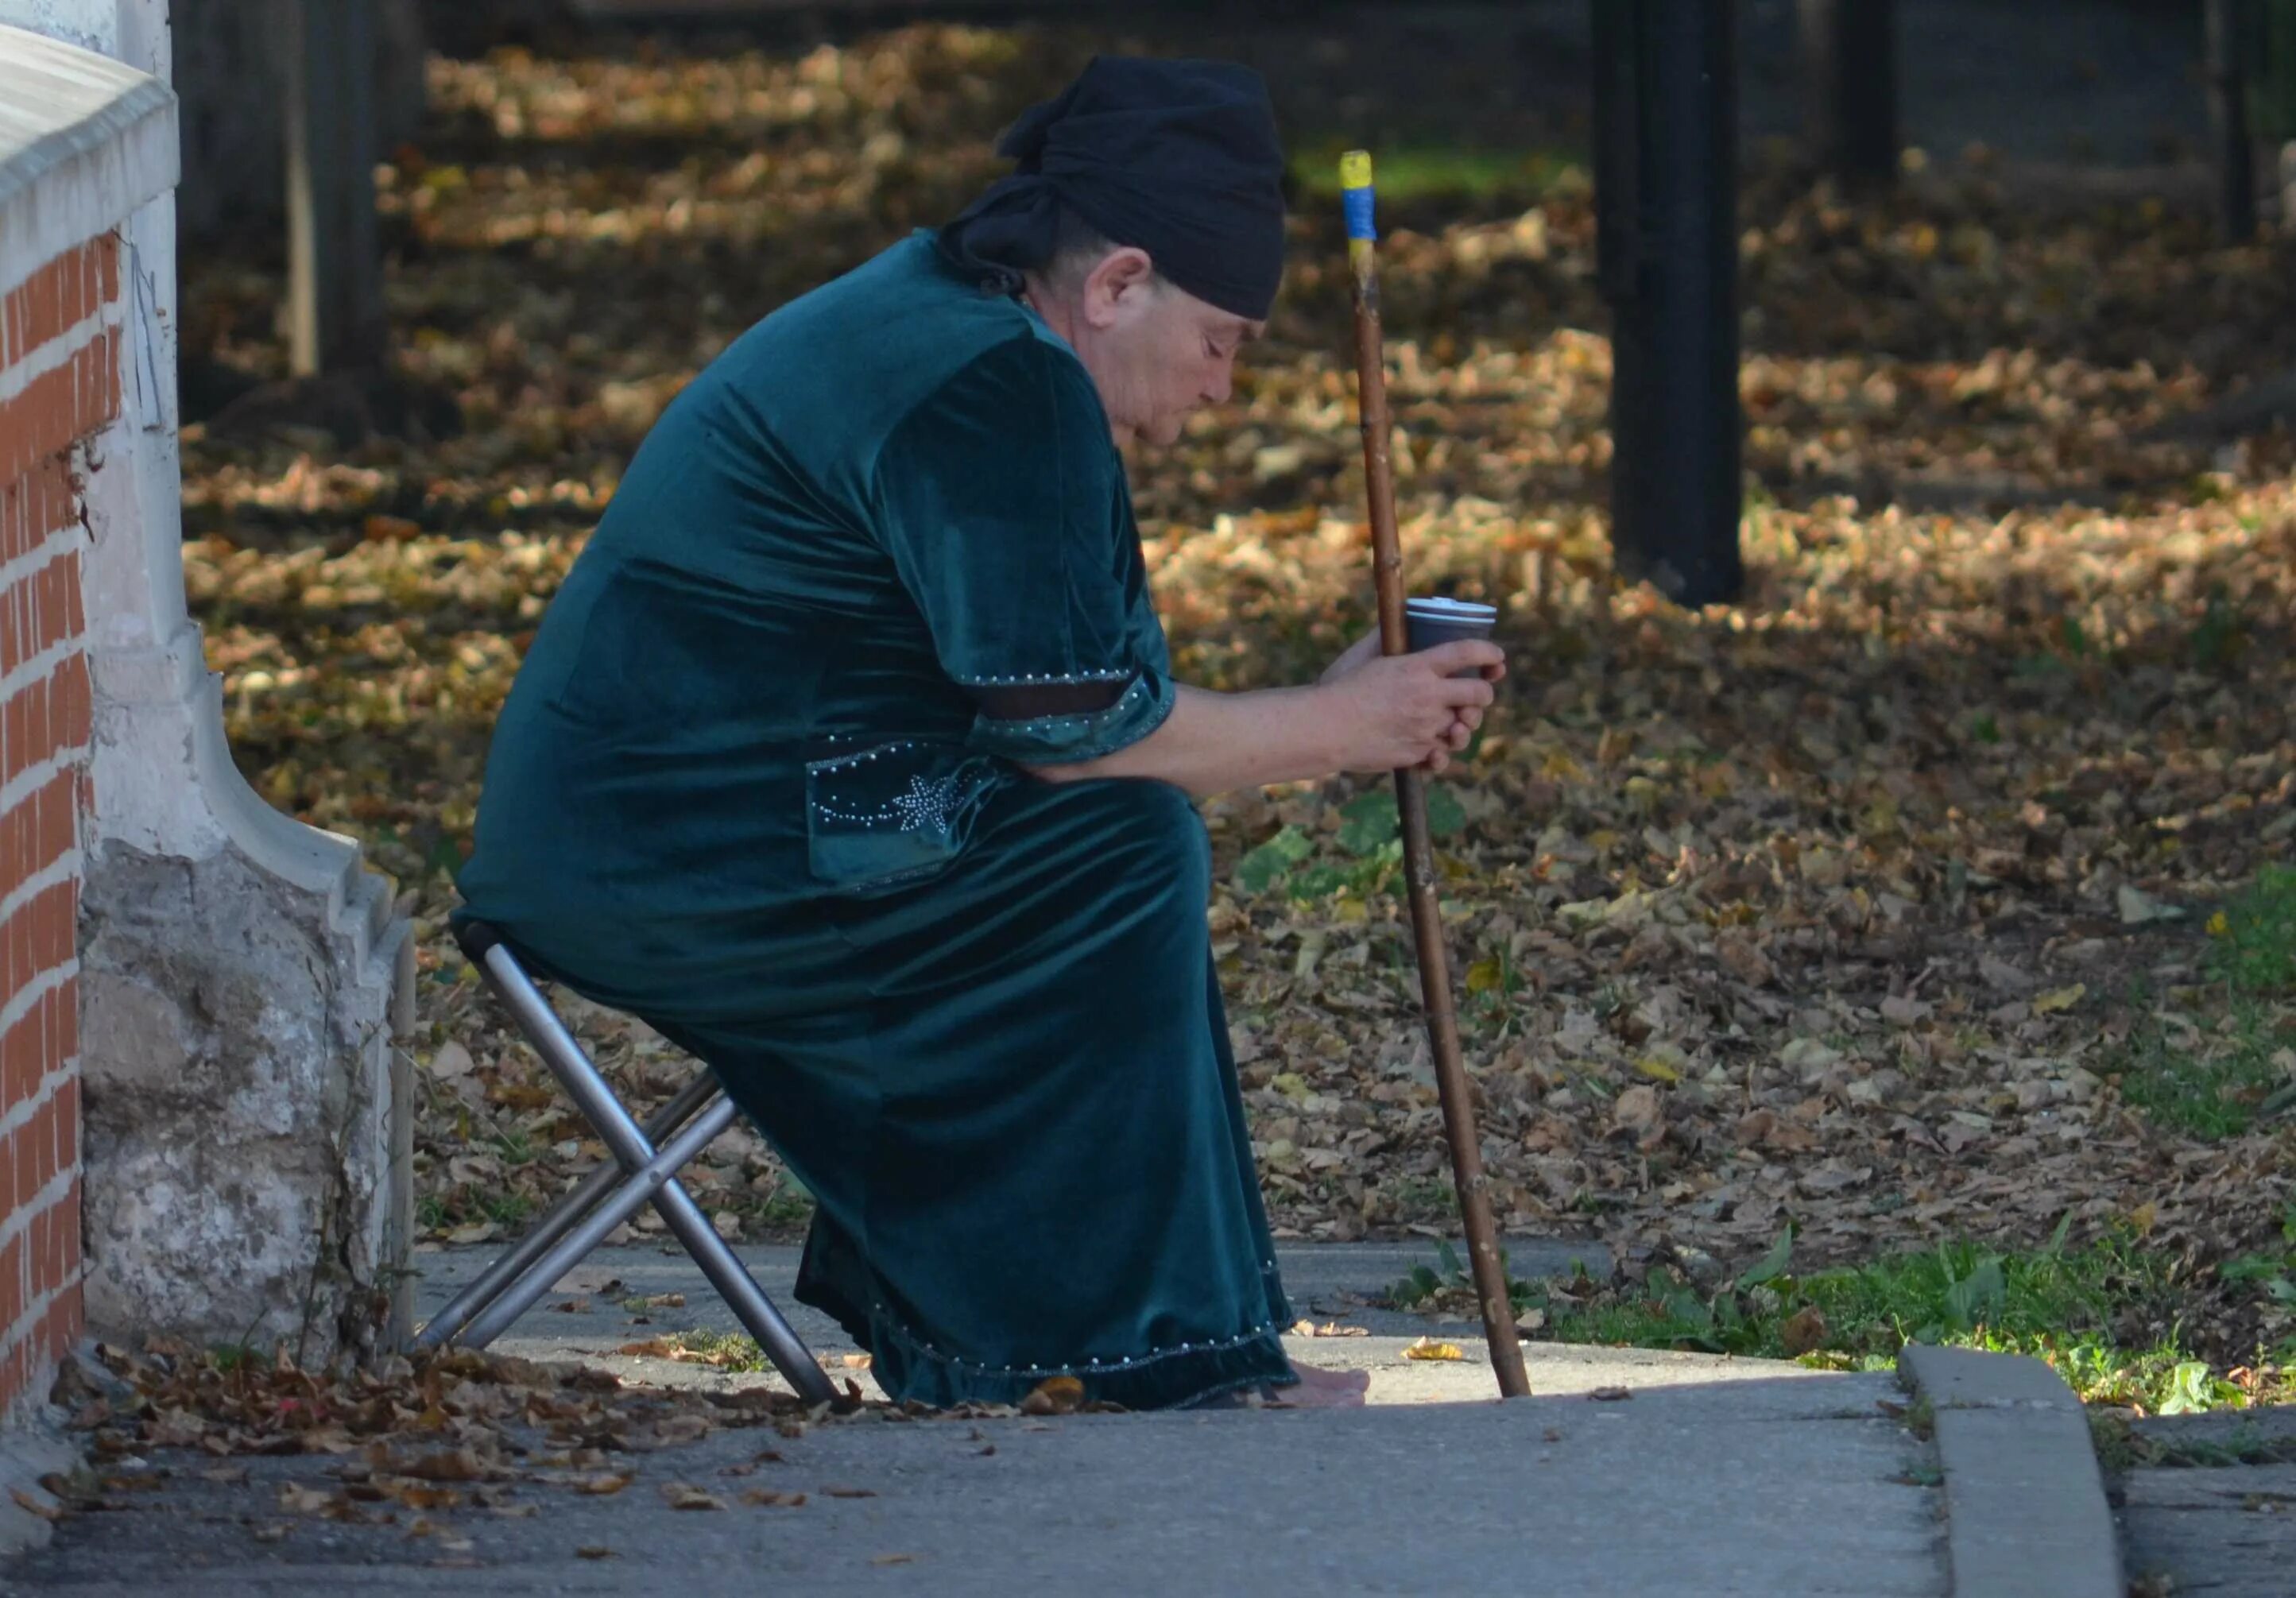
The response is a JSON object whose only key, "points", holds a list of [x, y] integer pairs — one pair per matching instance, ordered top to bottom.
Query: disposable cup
{"points": [[1433, 621]]}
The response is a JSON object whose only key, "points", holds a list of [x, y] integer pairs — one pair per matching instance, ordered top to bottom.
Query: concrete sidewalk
{"points": [[1710, 1476], [1793, 1485]]}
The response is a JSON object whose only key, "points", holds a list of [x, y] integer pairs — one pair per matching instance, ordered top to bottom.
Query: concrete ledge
{"points": [[84, 140], [2025, 1504]]}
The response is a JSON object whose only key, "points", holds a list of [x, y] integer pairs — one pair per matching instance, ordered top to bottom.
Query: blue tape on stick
{"points": [[1358, 202]]}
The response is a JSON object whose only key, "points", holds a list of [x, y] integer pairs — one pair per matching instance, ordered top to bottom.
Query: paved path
{"points": [[1717, 1476], [1798, 1485], [2225, 1530]]}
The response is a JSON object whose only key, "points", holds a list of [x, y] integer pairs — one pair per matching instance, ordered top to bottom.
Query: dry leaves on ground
{"points": [[1827, 908]]}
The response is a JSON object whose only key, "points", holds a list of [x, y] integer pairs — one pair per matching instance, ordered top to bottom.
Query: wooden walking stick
{"points": [[1411, 796]]}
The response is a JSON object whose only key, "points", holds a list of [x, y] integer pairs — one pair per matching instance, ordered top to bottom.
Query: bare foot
{"points": [[1324, 1390]]}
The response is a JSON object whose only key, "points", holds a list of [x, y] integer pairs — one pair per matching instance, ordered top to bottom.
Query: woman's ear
{"points": [[1122, 274]]}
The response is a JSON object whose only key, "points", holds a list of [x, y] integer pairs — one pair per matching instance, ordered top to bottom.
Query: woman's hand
{"points": [[1359, 653], [1393, 712]]}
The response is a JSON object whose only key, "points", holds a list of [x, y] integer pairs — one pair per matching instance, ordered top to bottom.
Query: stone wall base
{"points": [[247, 1144]]}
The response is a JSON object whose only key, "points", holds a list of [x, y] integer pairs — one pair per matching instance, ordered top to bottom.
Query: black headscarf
{"points": [[1178, 157]]}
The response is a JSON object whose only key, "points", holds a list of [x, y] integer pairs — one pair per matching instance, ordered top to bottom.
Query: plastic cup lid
{"points": [[1436, 608]]}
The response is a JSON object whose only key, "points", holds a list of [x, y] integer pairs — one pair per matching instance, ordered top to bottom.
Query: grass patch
{"points": [[2219, 1077], [2064, 1306], [735, 1352]]}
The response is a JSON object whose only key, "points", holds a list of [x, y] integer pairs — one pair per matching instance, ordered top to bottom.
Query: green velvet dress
{"points": [[744, 788]]}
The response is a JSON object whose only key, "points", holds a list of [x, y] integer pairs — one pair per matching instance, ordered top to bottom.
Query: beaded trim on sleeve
{"points": [[1052, 678], [1047, 724]]}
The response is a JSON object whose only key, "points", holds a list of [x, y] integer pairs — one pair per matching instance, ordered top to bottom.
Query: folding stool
{"points": [[643, 1169]]}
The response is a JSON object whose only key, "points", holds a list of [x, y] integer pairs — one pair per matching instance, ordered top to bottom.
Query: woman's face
{"points": [[1156, 352]]}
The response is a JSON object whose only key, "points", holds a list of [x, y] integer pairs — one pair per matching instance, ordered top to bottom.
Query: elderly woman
{"points": [[850, 757]]}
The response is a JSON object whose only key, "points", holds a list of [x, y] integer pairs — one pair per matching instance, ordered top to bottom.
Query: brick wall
{"points": [[59, 382]]}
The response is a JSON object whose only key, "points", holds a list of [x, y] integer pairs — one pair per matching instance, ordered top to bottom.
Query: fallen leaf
{"points": [[2138, 908], [1999, 974], [2059, 998], [1905, 1011], [1805, 1331], [1427, 1347], [1609, 1395], [1054, 1396], [605, 1484], [849, 1492], [684, 1494], [771, 1499], [299, 1500], [41, 1507], [594, 1551], [894, 1559]]}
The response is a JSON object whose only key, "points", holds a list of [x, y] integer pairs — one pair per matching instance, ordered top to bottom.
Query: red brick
{"points": [[71, 288], [27, 298], [40, 304], [108, 376], [37, 423], [75, 607], [49, 615], [75, 706], [16, 726], [58, 829], [49, 918], [20, 964], [68, 1024], [68, 1114], [38, 1138], [22, 1173], [71, 1243], [48, 1265], [12, 1279], [67, 1317]]}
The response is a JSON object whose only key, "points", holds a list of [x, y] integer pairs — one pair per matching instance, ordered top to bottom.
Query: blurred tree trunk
{"points": [[2232, 45], [231, 72], [1850, 86], [1666, 179], [334, 269]]}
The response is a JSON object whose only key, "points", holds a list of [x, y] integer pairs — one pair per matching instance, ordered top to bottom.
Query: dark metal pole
{"points": [[2228, 37], [1849, 83], [1666, 173], [334, 294], [1451, 1087]]}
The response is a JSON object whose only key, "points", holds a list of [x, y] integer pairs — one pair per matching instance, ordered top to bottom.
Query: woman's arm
{"points": [[1387, 712]]}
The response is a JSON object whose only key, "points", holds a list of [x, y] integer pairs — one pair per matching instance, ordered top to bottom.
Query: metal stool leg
{"points": [[631, 1148], [576, 1244], [444, 1327]]}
